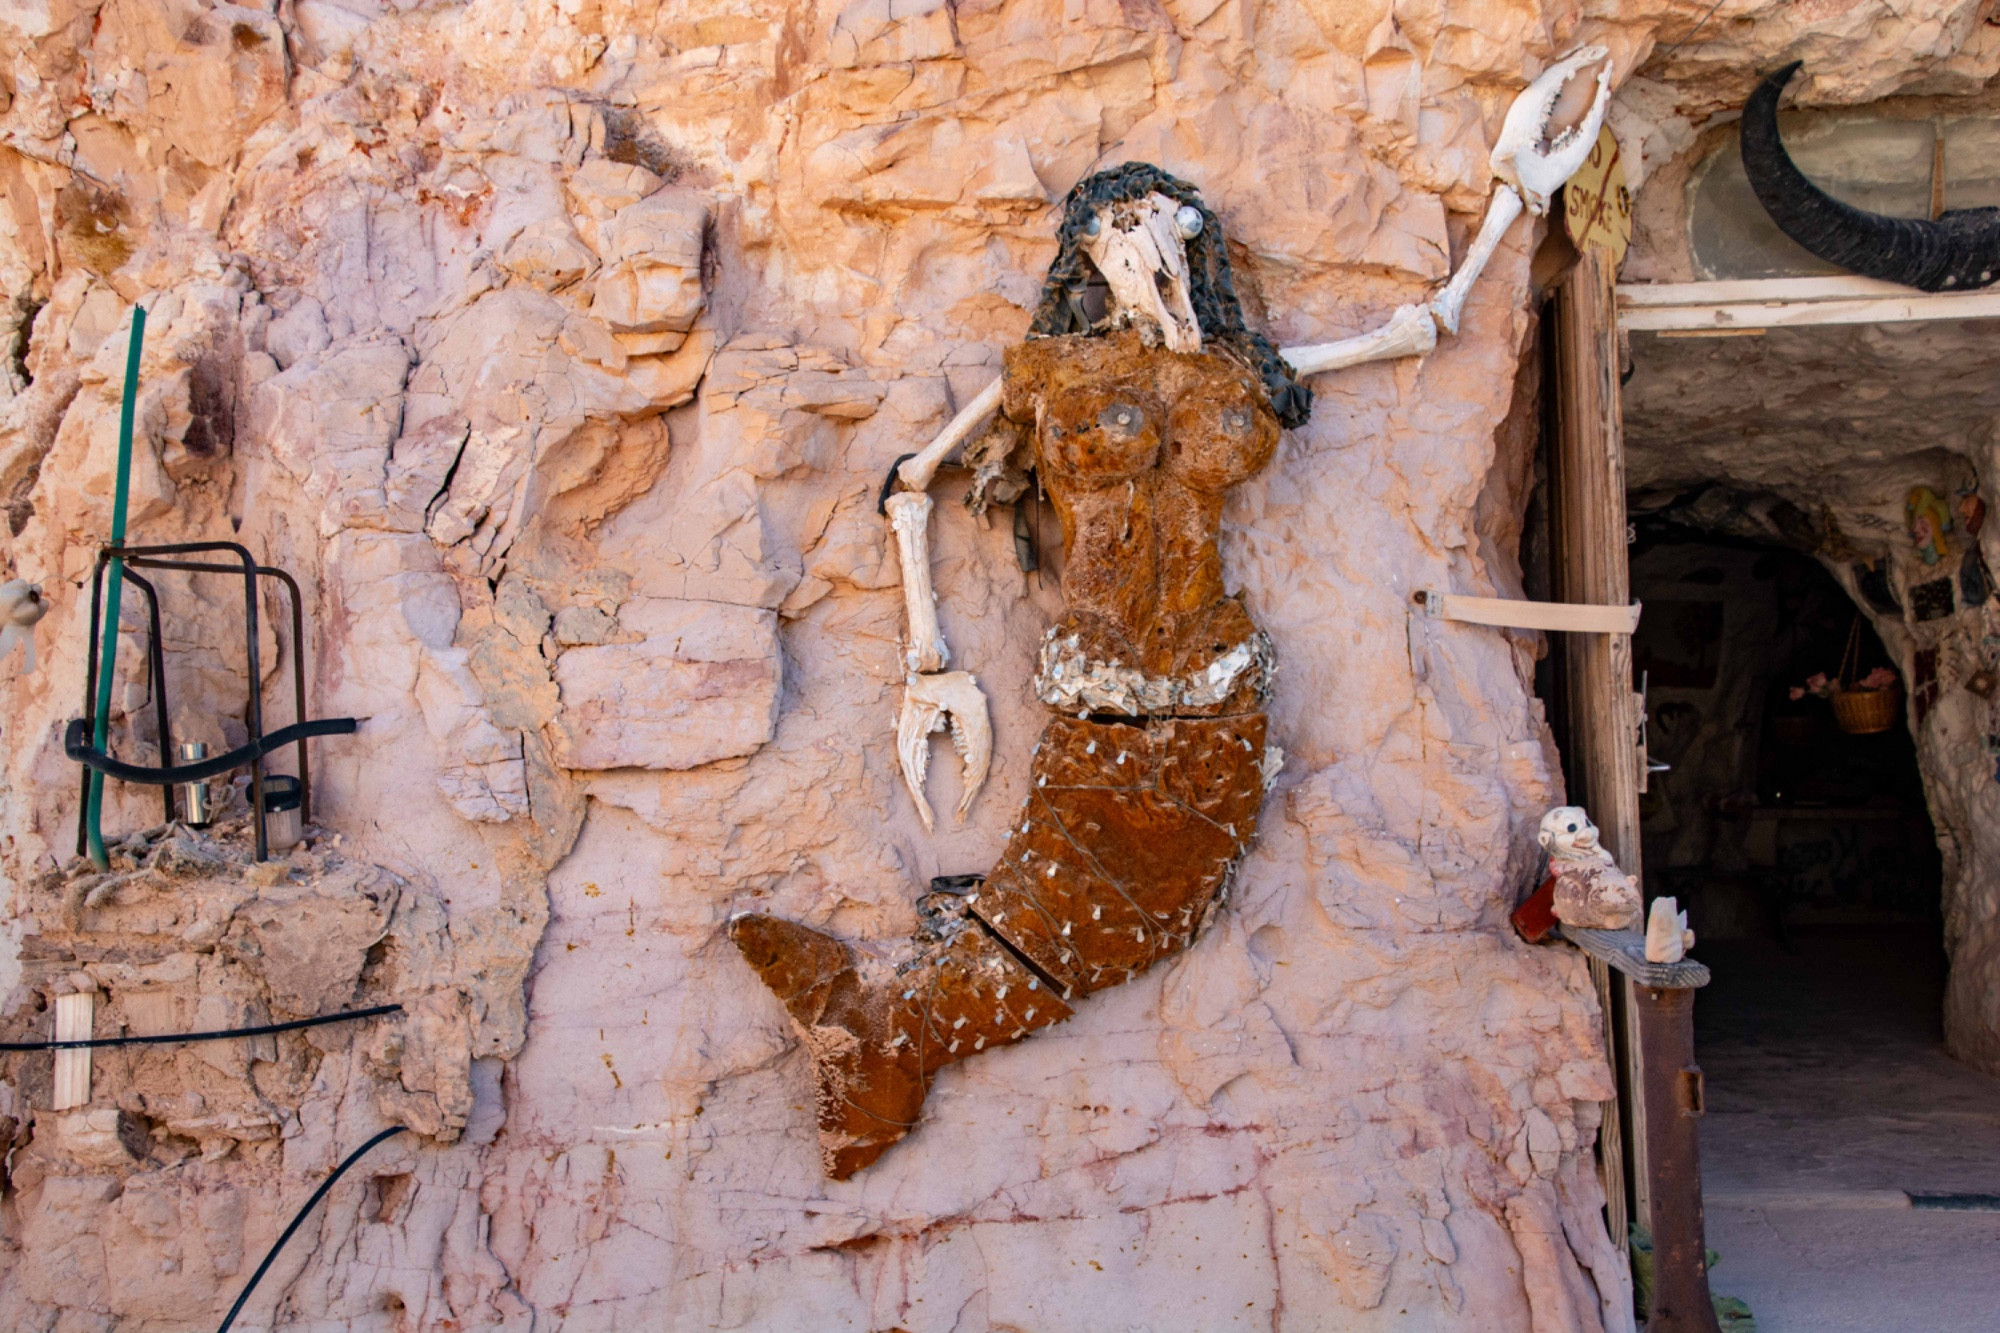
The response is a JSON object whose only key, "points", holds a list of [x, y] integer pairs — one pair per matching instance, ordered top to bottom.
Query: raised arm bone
{"points": [[1528, 175], [917, 471], [933, 696]]}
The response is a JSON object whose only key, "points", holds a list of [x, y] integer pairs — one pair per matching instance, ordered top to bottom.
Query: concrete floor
{"points": [[1829, 1093]]}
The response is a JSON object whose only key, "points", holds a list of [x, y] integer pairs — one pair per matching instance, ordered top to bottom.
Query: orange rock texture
{"points": [[559, 347]]}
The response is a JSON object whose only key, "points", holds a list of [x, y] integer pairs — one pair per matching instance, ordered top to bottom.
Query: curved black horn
{"points": [[1959, 251]]}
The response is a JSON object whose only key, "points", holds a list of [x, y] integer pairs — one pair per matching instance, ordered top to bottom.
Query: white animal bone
{"points": [[1519, 158], [1529, 174], [1140, 247], [1411, 331], [917, 471], [910, 515], [21, 605], [928, 702], [1667, 935]]}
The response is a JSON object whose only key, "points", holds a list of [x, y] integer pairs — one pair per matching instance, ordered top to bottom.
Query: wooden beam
{"points": [[1770, 303], [1587, 512], [1510, 613], [74, 1017]]}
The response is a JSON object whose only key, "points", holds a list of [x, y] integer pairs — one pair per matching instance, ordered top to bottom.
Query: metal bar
{"points": [[156, 660], [298, 686], [90, 700], [253, 716], [1673, 1087]]}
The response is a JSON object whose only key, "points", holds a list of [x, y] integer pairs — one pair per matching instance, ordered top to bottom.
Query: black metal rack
{"points": [[76, 741]]}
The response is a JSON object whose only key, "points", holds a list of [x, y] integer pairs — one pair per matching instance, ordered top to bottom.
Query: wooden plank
{"points": [[1733, 291], [1767, 303], [1587, 513], [1510, 613], [1625, 950], [74, 1016]]}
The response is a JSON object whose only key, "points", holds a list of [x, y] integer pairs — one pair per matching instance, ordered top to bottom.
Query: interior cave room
{"points": [[1815, 671]]}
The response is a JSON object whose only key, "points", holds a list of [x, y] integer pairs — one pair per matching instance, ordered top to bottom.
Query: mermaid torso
{"points": [[1137, 447], [1137, 812]]}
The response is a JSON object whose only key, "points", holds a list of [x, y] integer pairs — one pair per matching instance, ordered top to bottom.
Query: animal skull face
{"points": [[1140, 246], [1570, 836]]}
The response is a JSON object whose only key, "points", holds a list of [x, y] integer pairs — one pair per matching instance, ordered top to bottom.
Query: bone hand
{"points": [[1518, 156], [1449, 304], [1409, 332], [916, 472], [910, 515], [928, 701]]}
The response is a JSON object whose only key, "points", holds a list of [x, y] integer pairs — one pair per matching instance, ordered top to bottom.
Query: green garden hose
{"points": [[109, 659]]}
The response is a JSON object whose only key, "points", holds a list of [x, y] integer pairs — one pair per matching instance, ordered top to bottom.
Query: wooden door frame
{"points": [[1599, 713]]}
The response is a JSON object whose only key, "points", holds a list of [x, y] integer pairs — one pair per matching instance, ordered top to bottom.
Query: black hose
{"points": [[889, 485], [77, 746], [170, 1038], [299, 1217]]}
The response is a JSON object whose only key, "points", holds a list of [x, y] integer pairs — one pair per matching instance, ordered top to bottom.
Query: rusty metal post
{"points": [[1673, 1094]]}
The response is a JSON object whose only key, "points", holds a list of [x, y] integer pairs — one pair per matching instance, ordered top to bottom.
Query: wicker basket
{"points": [[1865, 712]]}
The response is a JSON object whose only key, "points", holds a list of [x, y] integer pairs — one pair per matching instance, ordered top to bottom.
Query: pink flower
{"points": [[1881, 678], [1817, 682], [1798, 692]]}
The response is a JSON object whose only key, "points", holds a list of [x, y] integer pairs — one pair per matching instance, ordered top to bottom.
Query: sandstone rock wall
{"points": [[559, 349]]}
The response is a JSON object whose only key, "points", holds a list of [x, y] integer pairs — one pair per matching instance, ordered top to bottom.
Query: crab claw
{"points": [[1520, 158], [928, 701]]}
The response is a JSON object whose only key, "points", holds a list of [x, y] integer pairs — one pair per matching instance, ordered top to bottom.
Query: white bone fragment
{"points": [[1449, 304], [1411, 331], [910, 515], [929, 702], [1667, 937], [72, 1074]]}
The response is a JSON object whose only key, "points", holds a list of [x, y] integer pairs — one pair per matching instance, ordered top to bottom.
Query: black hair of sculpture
{"points": [[1210, 289]]}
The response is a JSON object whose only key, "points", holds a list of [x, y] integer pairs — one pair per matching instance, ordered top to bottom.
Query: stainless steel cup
{"points": [[196, 808]]}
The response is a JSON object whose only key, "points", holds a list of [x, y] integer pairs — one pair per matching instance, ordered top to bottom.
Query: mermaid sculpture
{"points": [[1145, 788]]}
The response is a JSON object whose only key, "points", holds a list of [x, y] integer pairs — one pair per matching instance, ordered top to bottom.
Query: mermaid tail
{"points": [[1131, 833], [878, 1033]]}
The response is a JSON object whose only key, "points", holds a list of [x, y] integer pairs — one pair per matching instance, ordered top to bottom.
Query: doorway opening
{"points": [[1773, 823]]}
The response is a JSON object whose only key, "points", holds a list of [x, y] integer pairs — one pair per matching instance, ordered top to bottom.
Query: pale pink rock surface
{"points": [[421, 333]]}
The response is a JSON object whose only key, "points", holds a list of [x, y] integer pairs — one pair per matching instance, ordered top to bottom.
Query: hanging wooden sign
{"points": [[1597, 208]]}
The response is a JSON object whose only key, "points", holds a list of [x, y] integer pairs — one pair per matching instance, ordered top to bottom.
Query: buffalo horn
{"points": [[1959, 251]]}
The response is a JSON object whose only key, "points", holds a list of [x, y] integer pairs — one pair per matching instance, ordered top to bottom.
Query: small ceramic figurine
{"points": [[1929, 521], [21, 605], [1589, 889], [1667, 935]]}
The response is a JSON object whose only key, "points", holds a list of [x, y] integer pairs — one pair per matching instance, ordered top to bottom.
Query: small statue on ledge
{"points": [[1583, 887]]}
